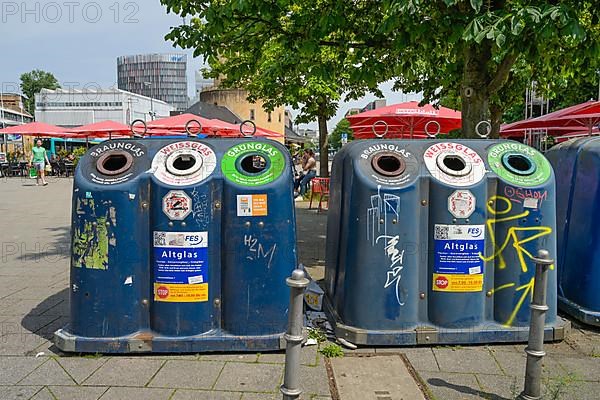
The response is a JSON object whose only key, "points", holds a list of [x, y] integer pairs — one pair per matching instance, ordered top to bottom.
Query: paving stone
{"points": [[25, 325], [19, 344], [309, 355], [236, 357], [273, 358], [422, 359], [466, 360], [513, 364], [81, 367], [13, 369], [587, 369], [124, 372], [49, 373], [187, 374], [250, 377], [359, 378], [314, 380], [452, 386], [501, 386], [572, 390], [18, 392], [77, 392], [130, 393], [43, 394], [182, 394], [266, 396]]}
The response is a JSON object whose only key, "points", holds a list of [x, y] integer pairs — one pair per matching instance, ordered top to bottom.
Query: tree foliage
{"points": [[307, 53], [33, 82], [335, 139]]}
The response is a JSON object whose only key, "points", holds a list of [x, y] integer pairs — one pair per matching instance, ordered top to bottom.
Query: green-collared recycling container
{"points": [[432, 241], [181, 245]]}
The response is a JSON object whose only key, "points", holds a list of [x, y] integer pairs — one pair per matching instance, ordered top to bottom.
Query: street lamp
{"points": [[152, 114]]}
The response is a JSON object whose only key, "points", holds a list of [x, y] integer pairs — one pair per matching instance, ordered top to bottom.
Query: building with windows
{"points": [[159, 76], [236, 101], [370, 106], [74, 107], [12, 112]]}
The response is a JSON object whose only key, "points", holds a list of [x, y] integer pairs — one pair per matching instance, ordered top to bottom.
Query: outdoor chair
{"points": [[15, 169], [319, 187]]}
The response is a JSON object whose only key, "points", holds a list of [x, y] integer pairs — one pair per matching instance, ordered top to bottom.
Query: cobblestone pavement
{"points": [[34, 266]]}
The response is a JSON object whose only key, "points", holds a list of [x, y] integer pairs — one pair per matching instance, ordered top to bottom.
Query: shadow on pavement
{"points": [[56, 246], [465, 389]]}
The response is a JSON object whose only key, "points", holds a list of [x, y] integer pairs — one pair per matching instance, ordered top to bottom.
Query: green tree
{"points": [[266, 48], [471, 50], [33, 82], [335, 139]]}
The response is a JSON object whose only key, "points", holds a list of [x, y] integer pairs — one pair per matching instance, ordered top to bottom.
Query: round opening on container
{"points": [[114, 162], [183, 163], [253, 164], [388, 164], [453, 164], [518, 164]]}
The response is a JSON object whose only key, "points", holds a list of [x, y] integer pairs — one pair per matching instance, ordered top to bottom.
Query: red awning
{"points": [[580, 117], [404, 120], [178, 123], [40, 129], [103, 129]]}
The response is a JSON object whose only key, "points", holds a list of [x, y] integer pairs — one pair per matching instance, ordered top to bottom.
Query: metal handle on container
{"points": [[380, 122], [187, 128], [253, 128], [488, 129], [135, 134], [432, 135]]}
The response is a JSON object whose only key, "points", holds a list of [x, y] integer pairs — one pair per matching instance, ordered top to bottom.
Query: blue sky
{"points": [[79, 42]]}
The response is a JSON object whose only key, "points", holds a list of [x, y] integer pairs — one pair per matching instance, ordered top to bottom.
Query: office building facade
{"points": [[160, 76], [73, 107]]}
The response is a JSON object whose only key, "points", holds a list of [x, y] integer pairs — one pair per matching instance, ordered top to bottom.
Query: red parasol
{"points": [[580, 117], [404, 120], [178, 124], [38, 129], [110, 129]]}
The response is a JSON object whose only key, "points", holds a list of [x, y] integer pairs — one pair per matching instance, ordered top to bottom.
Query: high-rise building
{"points": [[159, 76]]}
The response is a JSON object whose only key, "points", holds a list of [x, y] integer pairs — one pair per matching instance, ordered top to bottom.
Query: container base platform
{"points": [[581, 314], [487, 332], [148, 342]]}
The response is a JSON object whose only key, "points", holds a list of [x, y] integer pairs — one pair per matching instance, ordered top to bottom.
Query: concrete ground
{"points": [[34, 268]]}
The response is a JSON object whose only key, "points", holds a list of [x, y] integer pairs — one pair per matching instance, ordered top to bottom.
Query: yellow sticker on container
{"points": [[457, 282], [181, 292]]}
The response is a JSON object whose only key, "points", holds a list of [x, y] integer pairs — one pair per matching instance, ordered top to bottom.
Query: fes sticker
{"points": [[253, 163], [454, 164], [519, 164], [461, 203], [177, 205], [252, 205], [180, 266], [458, 266]]}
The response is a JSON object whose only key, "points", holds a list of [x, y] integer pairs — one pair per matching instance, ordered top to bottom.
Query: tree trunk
{"points": [[474, 92], [495, 120], [323, 146]]}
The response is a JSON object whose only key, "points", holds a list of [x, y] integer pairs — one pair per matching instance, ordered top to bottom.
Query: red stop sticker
{"points": [[441, 282], [162, 292]]}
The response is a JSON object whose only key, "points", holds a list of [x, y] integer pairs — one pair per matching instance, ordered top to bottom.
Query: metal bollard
{"points": [[294, 336], [535, 347]]}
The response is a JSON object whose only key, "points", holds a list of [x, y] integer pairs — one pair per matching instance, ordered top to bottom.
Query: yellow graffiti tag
{"points": [[512, 237]]}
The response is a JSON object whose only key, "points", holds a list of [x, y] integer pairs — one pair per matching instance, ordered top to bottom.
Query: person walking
{"points": [[38, 159], [309, 168]]}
